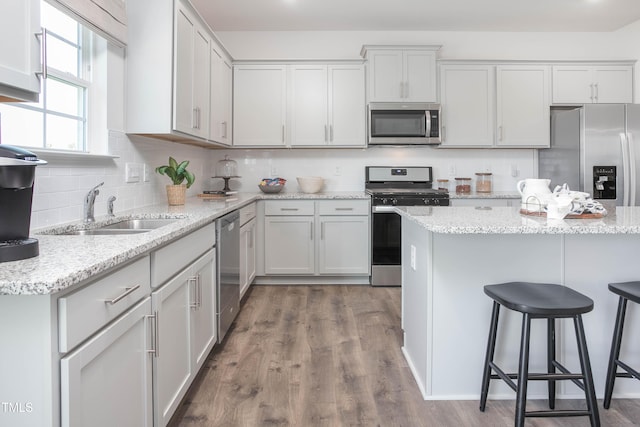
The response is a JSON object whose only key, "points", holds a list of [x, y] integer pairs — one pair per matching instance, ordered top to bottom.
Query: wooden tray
{"points": [[212, 196], [570, 216]]}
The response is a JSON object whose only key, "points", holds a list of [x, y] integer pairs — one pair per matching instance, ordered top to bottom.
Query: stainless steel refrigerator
{"points": [[594, 148]]}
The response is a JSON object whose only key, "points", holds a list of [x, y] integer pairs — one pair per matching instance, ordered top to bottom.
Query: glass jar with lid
{"points": [[483, 182], [442, 184], [463, 185]]}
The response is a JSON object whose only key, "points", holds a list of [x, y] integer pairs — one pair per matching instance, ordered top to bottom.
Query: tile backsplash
{"points": [[60, 186]]}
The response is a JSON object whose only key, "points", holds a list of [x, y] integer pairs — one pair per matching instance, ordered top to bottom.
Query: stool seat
{"points": [[628, 290], [540, 299]]}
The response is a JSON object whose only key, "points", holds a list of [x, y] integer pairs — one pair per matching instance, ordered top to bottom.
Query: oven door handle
{"points": [[377, 209]]}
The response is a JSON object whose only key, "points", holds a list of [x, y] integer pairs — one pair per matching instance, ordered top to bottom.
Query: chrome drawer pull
{"points": [[289, 209], [344, 209], [126, 293]]}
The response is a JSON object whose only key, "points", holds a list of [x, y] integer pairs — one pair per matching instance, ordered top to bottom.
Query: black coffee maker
{"points": [[17, 172]]}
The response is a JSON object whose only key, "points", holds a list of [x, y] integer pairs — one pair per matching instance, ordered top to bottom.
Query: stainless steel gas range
{"points": [[395, 186]]}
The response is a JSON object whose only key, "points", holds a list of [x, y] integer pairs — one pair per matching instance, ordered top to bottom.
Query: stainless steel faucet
{"points": [[89, 201], [110, 201]]}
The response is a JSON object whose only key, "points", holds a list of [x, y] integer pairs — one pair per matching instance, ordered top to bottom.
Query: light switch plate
{"points": [[132, 172], [146, 172]]}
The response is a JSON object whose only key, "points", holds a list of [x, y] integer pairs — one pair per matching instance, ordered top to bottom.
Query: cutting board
{"points": [[570, 216]]}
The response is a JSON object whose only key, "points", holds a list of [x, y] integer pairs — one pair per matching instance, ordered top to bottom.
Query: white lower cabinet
{"points": [[325, 237], [289, 245], [343, 246], [247, 255], [186, 332], [107, 380]]}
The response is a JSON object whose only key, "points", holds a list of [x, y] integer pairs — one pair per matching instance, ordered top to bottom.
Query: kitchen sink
{"points": [[129, 226]]}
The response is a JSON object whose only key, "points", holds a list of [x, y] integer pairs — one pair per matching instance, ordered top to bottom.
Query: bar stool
{"points": [[628, 291], [540, 301]]}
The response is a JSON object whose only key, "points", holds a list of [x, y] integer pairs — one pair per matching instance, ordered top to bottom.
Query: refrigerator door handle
{"points": [[625, 168], [632, 170]]}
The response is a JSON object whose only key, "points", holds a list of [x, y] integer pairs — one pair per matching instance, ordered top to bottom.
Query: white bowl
{"points": [[310, 184]]}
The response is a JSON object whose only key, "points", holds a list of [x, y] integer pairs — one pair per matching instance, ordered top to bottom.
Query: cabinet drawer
{"points": [[289, 207], [344, 207], [247, 213], [168, 260], [85, 311]]}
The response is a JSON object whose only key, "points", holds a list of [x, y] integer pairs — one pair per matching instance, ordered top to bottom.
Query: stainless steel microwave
{"points": [[404, 123]]}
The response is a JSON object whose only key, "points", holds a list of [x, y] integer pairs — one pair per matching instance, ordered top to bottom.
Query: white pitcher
{"points": [[535, 194]]}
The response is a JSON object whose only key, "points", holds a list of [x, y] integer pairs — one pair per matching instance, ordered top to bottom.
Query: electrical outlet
{"points": [[487, 168], [452, 170], [274, 171], [337, 171], [514, 171], [132, 172], [146, 172], [413, 258]]}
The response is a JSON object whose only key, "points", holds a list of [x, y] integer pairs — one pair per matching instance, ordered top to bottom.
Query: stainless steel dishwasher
{"points": [[228, 288]]}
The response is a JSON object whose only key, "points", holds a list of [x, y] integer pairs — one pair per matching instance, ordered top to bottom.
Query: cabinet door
{"points": [[20, 58], [385, 76], [419, 76], [572, 84], [613, 84], [191, 88], [220, 95], [467, 97], [522, 106], [259, 107], [347, 115], [309, 123], [289, 245], [344, 245], [247, 255], [203, 315], [172, 366], [107, 380]]}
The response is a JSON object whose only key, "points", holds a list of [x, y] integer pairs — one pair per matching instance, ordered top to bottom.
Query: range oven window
{"points": [[393, 123], [386, 238]]}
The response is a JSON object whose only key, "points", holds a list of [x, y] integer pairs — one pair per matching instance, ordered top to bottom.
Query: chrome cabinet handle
{"points": [[43, 52], [406, 89], [591, 90], [596, 91], [326, 133], [331, 133], [499, 133], [224, 134], [283, 134], [444, 134], [289, 209], [344, 209], [310, 231], [322, 231], [251, 239], [194, 280], [199, 287], [126, 293], [155, 349]]}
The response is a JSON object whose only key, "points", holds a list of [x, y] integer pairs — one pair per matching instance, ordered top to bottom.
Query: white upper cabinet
{"points": [[20, 52], [192, 65], [401, 74], [591, 84], [183, 93], [221, 97], [259, 105], [299, 105], [327, 105], [468, 105], [486, 105], [522, 105], [347, 112]]}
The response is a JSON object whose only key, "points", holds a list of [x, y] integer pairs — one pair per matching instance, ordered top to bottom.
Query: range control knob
{"points": [[384, 201], [394, 202]]}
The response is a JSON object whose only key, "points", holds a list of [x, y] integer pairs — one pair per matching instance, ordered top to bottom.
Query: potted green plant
{"points": [[177, 173]]}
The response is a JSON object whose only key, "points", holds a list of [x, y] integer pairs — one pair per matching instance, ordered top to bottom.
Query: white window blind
{"points": [[105, 17]]}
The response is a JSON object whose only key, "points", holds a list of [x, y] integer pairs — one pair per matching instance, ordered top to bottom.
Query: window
{"points": [[61, 118]]}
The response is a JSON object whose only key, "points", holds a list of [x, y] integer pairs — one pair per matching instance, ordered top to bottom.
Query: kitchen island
{"points": [[449, 254]]}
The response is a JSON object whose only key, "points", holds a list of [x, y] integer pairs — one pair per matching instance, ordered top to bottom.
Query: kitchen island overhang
{"points": [[449, 254]]}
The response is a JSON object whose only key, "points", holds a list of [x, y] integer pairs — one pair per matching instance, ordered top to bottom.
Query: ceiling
{"points": [[428, 15]]}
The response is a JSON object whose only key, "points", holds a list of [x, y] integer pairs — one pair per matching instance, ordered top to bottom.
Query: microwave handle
{"points": [[427, 115]]}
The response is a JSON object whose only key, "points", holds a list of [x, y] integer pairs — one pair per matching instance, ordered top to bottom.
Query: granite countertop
{"points": [[492, 195], [508, 220], [66, 260]]}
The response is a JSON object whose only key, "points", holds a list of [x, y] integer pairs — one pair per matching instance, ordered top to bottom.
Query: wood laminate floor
{"points": [[330, 356]]}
